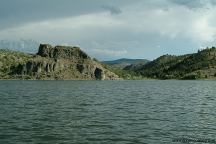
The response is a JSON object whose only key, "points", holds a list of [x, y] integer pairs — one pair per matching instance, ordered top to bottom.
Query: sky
{"points": [[112, 29]]}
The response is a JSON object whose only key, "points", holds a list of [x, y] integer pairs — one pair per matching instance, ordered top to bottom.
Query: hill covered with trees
{"points": [[200, 65]]}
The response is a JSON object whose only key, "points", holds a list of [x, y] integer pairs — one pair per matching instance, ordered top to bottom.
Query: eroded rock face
{"points": [[66, 52], [61, 62], [33, 68]]}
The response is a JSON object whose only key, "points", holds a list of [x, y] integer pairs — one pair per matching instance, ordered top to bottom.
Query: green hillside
{"points": [[200, 65]]}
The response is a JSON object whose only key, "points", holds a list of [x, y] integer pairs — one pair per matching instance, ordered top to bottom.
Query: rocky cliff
{"points": [[59, 62]]}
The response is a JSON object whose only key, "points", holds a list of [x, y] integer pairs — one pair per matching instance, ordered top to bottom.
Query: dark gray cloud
{"points": [[189, 3], [194, 3], [113, 10], [18, 12], [13, 13]]}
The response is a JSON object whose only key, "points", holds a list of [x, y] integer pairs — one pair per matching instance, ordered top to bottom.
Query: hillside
{"points": [[59, 62], [71, 63], [121, 63], [200, 65]]}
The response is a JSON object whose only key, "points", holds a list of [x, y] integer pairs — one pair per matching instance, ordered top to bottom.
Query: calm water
{"points": [[106, 112]]}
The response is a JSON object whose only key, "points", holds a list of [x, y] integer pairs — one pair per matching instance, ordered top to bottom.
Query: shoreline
{"points": [[108, 80]]}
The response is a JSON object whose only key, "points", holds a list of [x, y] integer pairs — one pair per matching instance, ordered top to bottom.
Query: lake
{"points": [[107, 112]]}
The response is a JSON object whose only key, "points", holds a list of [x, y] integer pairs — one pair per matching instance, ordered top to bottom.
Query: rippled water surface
{"points": [[106, 112]]}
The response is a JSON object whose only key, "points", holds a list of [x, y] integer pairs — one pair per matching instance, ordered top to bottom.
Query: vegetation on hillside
{"points": [[9, 59], [59, 62], [77, 65], [200, 65], [125, 74]]}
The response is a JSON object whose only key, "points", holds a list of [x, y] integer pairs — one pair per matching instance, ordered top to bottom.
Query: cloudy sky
{"points": [[111, 29]]}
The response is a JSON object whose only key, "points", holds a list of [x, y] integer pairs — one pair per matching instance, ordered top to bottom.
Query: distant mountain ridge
{"points": [[23, 45], [123, 62]]}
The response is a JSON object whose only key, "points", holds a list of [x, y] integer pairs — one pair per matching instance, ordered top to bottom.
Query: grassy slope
{"points": [[10, 59], [201, 65]]}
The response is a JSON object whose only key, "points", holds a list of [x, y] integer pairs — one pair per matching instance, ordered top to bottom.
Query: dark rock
{"points": [[44, 50], [57, 52], [29, 67], [80, 68], [47, 69], [98, 73]]}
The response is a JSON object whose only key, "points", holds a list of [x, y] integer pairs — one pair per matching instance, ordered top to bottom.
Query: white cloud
{"points": [[174, 21], [80, 22], [66, 25], [202, 29], [130, 31]]}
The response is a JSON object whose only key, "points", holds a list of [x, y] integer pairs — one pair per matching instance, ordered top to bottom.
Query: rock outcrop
{"points": [[67, 52], [59, 62]]}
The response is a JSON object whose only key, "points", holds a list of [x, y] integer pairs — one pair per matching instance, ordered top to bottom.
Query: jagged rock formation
{"points": [[46, 50], [60, 62]]}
